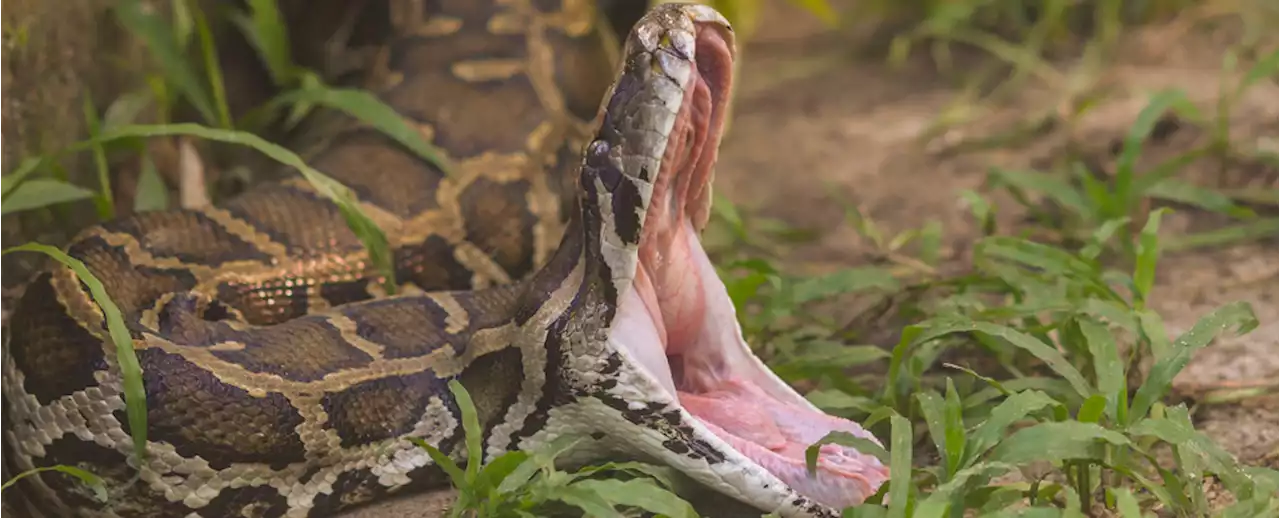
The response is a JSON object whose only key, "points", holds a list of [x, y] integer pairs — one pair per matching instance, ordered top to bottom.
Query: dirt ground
{"points": [[809, 117]]}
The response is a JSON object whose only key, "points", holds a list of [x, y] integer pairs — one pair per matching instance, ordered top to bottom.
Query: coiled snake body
{"points": [[557, 276]]}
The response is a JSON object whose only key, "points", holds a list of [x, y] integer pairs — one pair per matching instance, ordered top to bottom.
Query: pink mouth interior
{"points": [[679, 304]]}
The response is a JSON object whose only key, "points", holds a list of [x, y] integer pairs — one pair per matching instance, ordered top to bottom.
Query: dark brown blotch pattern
{"points": [[461, 112], [369, 161], [304, 222], [499, 222], [190, 237], [430, 265], [132, 287], [405, 327], [304, 349], [57, 355], [188, 407], [380, 409], [247, 502]]}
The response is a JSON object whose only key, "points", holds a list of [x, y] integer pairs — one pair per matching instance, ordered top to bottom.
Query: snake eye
{"points": [[599, 164]]}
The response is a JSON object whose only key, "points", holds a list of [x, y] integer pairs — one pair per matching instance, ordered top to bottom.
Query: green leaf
{"points": [[265, 29], [159, 38], [1264, 68], [213, 70], [126, 108], [369, 109], [1131, 148], [10, 181], [1057, 189], [1172, 189], [42, 192], [152, 193], [104, 201], [1243, 232], [1101, 236], [375, 241], [1052, 260], [1144, 270], [852, 280], [1238, 315], [1049, 355], [1108, 368], [135, 397], [931, 409], [1092, 409], [953, 412], [1008, 412], [471, 427], [1177, 430], [900, 438], [1056, 441], [863, 445], [542, 458], [450, 468], [497, 470], [89, 479], [641, 494], [584, 498], [1125, 502], [938, 503]]}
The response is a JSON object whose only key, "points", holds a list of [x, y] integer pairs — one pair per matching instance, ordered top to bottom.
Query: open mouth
{"points": [[679, 324]]}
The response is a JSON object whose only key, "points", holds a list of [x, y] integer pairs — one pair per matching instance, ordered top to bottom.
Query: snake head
{"points": [[656, 357]]}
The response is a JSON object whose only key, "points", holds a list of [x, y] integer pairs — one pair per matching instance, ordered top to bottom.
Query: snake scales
{"points": [[557, 276]]}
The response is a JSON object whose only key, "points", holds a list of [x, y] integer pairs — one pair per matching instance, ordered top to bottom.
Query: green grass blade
{"points": [[265, 29], [159, 38], [1265, 68], [212, 70], [369, 109], [1131, 148], [12, 180], [1055, 188], [42, 192], [1183, 192], [152, 194], [104, 201], [1243, 232], [375, 241], [1054, 261], [1144, 269], [852, 280], [1238, 315], [1049, 355], [1108, 368], [135, 397], [931, 408], [1093, 409], [953, 412], [1008, 412], [470, 426], [1177, 430], [1056, 441], [861, 444], [543, 458], [900, 465], [450, 468], [497, 470], [89, 479], [641, 494], [939, 501], [594, 504]]}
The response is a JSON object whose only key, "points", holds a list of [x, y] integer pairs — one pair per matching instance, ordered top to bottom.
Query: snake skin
{"points": [[281, 381]]}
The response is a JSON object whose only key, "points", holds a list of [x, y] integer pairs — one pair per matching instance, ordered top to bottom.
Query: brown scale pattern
{"points": [[500, 223], [188, 236], [190, 408], [380, 409]]}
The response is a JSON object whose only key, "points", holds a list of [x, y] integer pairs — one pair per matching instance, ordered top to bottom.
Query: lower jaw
{"points": [[721, 384]]}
